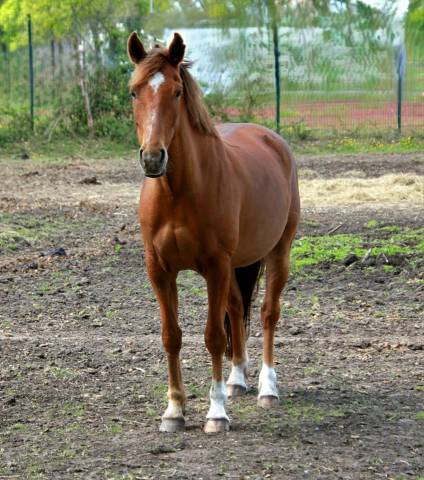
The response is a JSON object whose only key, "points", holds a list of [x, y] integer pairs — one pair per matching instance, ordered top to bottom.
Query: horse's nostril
{"points": [[141, 153], [162, 154]]}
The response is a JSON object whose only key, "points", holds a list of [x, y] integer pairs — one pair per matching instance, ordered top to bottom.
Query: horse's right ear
{"points": [[136, 51]]}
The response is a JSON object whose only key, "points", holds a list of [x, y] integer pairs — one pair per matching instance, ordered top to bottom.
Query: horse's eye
{"points": [[178, 94], [133, 95]]}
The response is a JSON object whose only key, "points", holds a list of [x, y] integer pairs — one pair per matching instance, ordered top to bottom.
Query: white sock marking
{"points": [[156, 81], [237, 376], [267, 382], [218, 396], [173, 410]]}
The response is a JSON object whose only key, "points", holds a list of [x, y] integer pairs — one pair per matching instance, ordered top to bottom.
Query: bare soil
{"points": [[83, 375]]}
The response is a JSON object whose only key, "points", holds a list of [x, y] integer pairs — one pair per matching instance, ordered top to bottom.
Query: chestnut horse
{"points": [[217, 200]]}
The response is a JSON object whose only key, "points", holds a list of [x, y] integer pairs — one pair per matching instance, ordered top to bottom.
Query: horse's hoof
{"points": [[234, 391], [268, 401], [172, 425], [217, 425]]}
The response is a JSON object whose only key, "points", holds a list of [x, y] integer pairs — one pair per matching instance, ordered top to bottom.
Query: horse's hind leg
{"points": [[277, 271], [236, 383]]}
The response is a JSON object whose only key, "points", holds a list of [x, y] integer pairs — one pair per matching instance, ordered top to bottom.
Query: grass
{"points": [[301, 139], [365, 143], [67, 148], [18, 230], [313, 250], [191, 283], [62, 373], [74, 409], [299, 411]]}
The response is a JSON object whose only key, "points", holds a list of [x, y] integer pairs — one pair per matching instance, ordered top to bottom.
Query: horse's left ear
{"points": [[176, 50], [136, 51]]}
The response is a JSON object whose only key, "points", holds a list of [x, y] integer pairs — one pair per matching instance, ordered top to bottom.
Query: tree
{"points": [[88, 26], [414, 27]]}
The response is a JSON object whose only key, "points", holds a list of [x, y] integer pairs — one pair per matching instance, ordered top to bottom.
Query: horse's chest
{"points": [[182, 238], [176, 245]]}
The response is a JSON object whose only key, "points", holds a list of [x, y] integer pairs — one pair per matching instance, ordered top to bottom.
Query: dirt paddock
{"points": [[82, 371]]}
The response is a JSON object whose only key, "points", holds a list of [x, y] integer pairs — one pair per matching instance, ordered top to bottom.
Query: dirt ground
{"points": [[83, 375]]}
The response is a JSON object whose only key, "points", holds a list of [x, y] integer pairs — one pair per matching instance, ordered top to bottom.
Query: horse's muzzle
{"points": [[153, 162]]}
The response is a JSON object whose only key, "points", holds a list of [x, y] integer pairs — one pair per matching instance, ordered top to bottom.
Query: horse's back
{"points": [[246, 141], [255, 148]]}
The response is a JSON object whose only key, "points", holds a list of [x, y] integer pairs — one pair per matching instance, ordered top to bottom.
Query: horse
{"points": [[222, 201]]}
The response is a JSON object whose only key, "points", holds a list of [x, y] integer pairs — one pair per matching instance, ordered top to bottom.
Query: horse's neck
{"points": [[190, 154]]}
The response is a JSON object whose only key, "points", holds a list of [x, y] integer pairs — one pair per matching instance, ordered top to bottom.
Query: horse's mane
{"points": [[155, 60]]}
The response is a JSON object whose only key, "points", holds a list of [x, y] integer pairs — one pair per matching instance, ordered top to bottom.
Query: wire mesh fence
{"points": [[325, 86]]}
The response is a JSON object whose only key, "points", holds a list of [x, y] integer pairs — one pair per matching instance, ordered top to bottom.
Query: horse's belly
{"points": [[261, 227], [256, 248]]}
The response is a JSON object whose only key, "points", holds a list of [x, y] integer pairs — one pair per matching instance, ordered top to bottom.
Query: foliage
{"points": [[68, 18], [414, 26]]}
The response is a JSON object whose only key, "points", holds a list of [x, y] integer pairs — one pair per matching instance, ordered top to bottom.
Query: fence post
{"points": [[273, 14], [400, 71], [31, 72], [277, 75]]}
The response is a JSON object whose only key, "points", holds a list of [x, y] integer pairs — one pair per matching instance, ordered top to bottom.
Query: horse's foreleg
{"points": [[218, 282], [165, 288], [236, 383]]}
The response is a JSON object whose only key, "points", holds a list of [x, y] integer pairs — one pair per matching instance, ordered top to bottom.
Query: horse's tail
{"points": [[248, 281]]}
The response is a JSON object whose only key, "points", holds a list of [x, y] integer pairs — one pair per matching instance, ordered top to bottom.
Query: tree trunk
{"points": [[80, 74]]}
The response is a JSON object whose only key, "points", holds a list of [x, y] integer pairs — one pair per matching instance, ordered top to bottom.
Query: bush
{"points": [[15, 127]]}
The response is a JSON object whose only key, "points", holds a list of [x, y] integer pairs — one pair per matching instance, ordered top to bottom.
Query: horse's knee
{"points": [[270, 313], [172, 340], [215, 340]]}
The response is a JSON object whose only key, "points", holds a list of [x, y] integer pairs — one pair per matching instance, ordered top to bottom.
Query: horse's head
{"points": [[157, 89]]}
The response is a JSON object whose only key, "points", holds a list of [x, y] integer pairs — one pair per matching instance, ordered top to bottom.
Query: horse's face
{"points": [[156, 104], [156, 108]]}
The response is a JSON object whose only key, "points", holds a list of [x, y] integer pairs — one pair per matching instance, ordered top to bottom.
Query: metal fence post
{"points": [[273, 17], [400, 71], [31, 72], [277, 76]]}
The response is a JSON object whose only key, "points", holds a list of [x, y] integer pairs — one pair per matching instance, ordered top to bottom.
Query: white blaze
{"points": [[156, 81]]}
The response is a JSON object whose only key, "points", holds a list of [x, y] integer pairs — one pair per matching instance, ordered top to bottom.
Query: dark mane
{"points": [[198, 115]]}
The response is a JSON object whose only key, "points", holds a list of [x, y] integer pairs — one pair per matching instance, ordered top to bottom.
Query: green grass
{"points": [[301, 139], [360, 144], [67, 149], [372, 224], [17, 230], [312, 250], [62, 372], [307, 411]]}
